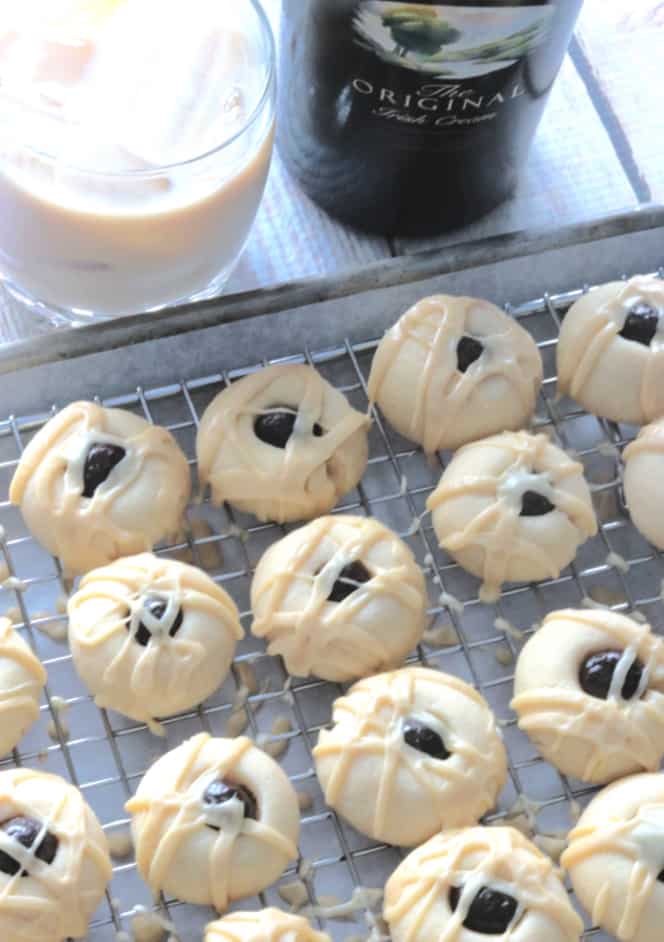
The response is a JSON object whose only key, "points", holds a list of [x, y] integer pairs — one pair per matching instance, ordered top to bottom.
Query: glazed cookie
{"points": [[611, 350], [453, 370], [281, 444], [644, 482], [96, 483], [512, 508], [340, 598], [151, 637], [22, 679], [589, 691], [410, 753], [214, 820], [615, 859], [54, 860], [463, 885], [266, 925]]}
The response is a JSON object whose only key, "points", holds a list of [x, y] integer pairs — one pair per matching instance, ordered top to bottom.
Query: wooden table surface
{"points": [[599, 149]]}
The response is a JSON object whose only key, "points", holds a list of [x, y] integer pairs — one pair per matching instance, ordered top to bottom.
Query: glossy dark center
{"points": [[641, 324], [468, 351], [275, 428], [99, 462], [535, 505], [349, 578], [157, 608], [597, 673], [424, 739], [220, 791], [26, 831], [661, 877], [490, 912]]}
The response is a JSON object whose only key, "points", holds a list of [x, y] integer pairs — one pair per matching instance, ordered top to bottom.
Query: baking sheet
{"points": [[106, 754]]}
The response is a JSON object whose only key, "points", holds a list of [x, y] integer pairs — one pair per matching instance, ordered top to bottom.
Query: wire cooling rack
{"points": [[106, 754]]}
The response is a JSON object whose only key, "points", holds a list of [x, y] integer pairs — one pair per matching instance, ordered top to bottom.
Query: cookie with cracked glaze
{"points": [[611, 350], [455, 369], [282, 444], [643, 478], [95, 484], [512, 508], [340, 598], [151, 637], [22, 679], [589, 692], [411, 752], [214, 820], [54, 858], [615, 858], [465, 885], [266, 925]]}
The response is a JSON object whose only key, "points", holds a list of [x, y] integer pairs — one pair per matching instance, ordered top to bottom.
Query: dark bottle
{"points": [[413, 118]]}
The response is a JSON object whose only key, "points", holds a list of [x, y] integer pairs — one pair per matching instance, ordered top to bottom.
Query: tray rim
{"points": [[66, 344]]}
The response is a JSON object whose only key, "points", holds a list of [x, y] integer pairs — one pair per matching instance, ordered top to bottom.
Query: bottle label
{"points": [[448, 51]]}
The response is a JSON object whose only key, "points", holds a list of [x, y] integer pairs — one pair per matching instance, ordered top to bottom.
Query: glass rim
{"points": [[143, 173]]}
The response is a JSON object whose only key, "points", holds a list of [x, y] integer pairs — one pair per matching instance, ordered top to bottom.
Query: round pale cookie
{"points": [[611, 350], [455, 369], [281, 444], [644, 482], [95, 484], [512, 508], [339, 598], [151, 637], [22, 679], [589, 691], [410, 753], [213, 821], [615, 858], [54, 859], [479, 882], [266, 925]]}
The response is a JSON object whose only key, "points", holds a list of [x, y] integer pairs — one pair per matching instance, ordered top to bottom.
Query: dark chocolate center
{"points": [[641, 324], [468, 351], [275, 428], [99, 462], [535, 505], [349, 578], [157, 607], [597, 673], [421, 737], [221, 791], [26, 831], [490, 913]]}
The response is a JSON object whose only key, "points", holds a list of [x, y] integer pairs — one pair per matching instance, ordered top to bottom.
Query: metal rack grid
{"points": [[106, 754]]}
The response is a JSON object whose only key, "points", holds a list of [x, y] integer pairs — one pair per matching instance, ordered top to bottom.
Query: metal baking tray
{"points": [[169, 376]]}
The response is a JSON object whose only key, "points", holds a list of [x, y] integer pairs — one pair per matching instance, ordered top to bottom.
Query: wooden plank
{"points": [[622, 44], [572, 174]]}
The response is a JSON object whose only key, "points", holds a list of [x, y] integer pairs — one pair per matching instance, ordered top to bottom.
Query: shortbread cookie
{"points": [[611, 350], [453, 370], [281, 444], [644, 482], [95, 484], [512, 508], [339, 598], [151, 637], [22, 679], [589, 691], [410, 753], [214, 820], [54, 859], [616, 859], [463, 885], [266, 925]]}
